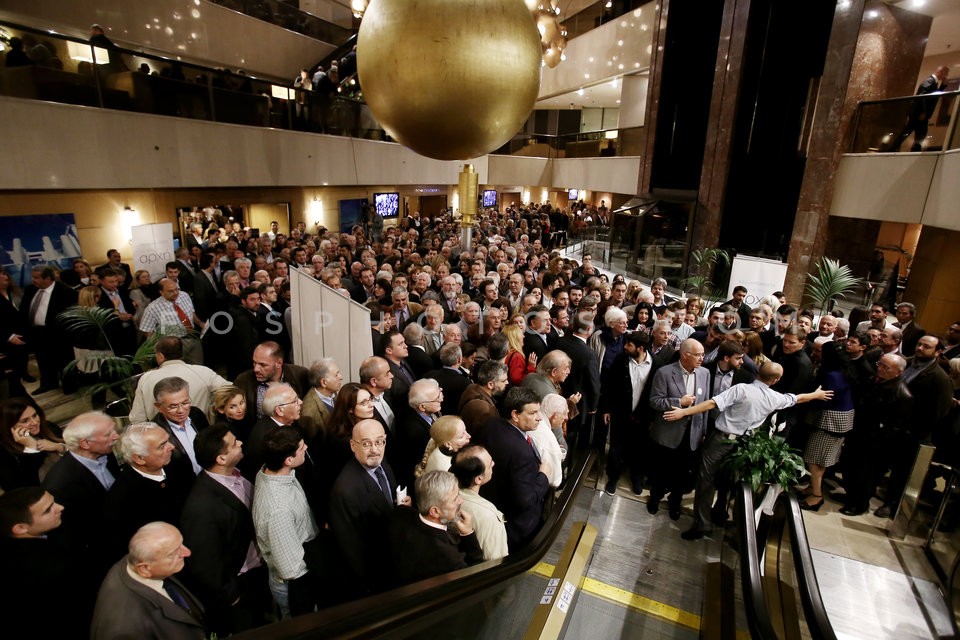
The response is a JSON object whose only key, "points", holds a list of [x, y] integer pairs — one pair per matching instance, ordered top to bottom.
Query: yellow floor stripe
{"points": [[633, 601]]}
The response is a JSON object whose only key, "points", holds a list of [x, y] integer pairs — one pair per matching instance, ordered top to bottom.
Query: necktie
{"points": [[35, 305], [184, 318], [406, 372], [534, 447], [384, 486], [177, 596]]}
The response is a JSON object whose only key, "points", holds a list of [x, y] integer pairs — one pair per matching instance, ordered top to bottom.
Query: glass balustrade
{"points": [[888, 126]]}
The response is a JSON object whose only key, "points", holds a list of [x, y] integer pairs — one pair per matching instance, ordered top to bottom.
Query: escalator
{"points": [[553, 587], [494, 599]]}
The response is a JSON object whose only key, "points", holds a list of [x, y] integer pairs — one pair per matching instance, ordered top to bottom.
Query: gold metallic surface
{"points": [[450, 79], [468, 191]]}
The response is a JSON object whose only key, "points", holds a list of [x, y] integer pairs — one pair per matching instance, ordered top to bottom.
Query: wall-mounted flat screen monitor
{"points": [[573, 194], [489, 198], [387, 204]]}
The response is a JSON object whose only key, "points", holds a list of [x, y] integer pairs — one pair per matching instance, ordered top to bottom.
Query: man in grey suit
{"points": [[681, 384], [140, 598]]}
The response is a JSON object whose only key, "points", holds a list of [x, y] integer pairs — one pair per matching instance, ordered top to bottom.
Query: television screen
{"points": [[573, 194], [489, 198], [387, 204]]}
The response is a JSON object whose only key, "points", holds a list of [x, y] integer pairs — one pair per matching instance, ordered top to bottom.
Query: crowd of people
{"points": [[248, 487]]}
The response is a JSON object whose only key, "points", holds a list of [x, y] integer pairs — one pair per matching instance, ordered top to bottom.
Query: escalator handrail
{"points": [[787, 513], [418, 605], [816, 614], [758, 617]]}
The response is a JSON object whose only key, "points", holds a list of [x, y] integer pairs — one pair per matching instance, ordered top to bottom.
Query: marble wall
{"points": [[875, 51]]}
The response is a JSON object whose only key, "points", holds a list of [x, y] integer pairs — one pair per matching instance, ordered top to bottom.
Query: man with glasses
{"points": [[281, 408], [181, 421], [361, 502]]}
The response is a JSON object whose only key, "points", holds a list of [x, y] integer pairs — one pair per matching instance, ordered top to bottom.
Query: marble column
{"points": [[659, 41], [874, 51], [723, 113]]}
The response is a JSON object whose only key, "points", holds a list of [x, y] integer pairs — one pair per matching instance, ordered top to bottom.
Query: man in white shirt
{"points": [[202, 381], [473, 468]]}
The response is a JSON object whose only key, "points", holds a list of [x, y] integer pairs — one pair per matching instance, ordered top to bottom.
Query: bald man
{"points": [[743, 408]]}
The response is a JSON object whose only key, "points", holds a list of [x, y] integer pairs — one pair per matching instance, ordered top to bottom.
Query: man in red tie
{"points": [[173, 314]]}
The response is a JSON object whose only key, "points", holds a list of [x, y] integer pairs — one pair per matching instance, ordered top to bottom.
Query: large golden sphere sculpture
{"points": [[450, 79]]}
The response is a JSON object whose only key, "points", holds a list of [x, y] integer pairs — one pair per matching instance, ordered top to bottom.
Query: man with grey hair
{"points": [[242, 267], [403, 310], [173, 314], [906, 314], [432, 326], [607, 342], [451, 376], [325, 381], [425, 401], [281, 408], [181, 420], [548, 436], [79, 481], [143, 492], [438, 537], [141, 598]]}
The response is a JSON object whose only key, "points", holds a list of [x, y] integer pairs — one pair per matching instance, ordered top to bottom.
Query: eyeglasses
{"points": [[295, 400], [365, 403], [175, 407], [366, 445]]}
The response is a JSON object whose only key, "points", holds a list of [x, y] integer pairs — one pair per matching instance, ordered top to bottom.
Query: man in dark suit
{"points": [[919, 119], [114, 262], [363, 291], [206, 300], [42, 302], [740, 306], [910, 331], [247, 332], [122, 333], [535, 338], [395, 352], [418, 359], [269, 366], [797, 375], [451, 377], [584, 379], [682, 384], [477, 405], [282, 406], [625, 407], [182, 422], [413, 427], [79, 481], [521, 484], [144, 492], [361, 502], [436, 538], [36, 565], [226, 572], [127, 607]]}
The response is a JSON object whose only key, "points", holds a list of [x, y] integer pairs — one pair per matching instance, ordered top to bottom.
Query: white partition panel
{"points": [[942, 209], [325, 324]]}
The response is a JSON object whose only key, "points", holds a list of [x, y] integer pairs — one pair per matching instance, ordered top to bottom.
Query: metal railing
{"points": [[598, 13], [294, 19], [73, 71], [884, 126], [587, 144]]}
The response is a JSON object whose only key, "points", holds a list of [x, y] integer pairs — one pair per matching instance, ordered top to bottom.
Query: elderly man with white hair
{"points": [[607, 342], [413, 427], [548, 436]]}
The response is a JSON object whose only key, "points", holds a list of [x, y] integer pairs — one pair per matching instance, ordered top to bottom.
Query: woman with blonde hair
{"points": [[138, 294], [88, 296], [518, 366], [229, 409], [448, 435]]}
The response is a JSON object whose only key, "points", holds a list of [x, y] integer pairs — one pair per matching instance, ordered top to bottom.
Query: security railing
{"points": [[294, 19], [889, 126], [587, 144]]}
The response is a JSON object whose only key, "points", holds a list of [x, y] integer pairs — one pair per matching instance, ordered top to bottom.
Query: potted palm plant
{"points": [[702, 264], [831, 281], [96, 359], [766, 462]]}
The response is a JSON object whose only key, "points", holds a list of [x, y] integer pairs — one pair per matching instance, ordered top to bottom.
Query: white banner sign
{"points": [[152, 248], [760, 276]]}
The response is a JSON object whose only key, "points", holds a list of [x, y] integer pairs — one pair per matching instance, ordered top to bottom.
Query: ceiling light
{"points": [[579, 92]]}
